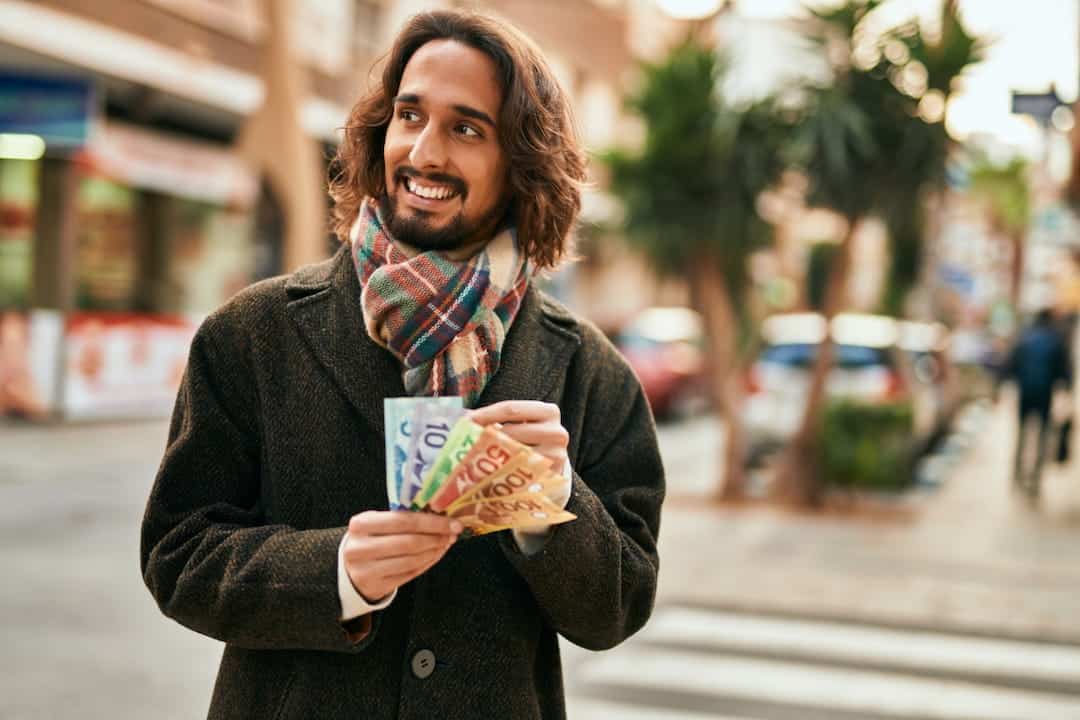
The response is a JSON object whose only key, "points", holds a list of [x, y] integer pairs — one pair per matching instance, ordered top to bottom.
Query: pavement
{"points": [[972, 556], [78, 629]]}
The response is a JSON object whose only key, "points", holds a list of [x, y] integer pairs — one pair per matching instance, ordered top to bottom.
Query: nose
{"points": [[428, 149]]}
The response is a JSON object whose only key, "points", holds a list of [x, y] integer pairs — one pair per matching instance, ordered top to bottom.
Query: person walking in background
{"points": [[1038, 362], [268, 525]]}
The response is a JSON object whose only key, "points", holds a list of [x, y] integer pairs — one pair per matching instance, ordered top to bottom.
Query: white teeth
{"points": [[432, 193]]}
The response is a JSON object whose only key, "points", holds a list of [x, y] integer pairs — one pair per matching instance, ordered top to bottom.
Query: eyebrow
{"points": [[414, 99]]}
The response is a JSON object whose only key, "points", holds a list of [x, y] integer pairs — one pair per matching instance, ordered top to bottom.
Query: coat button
{"points": [[423, 664]]}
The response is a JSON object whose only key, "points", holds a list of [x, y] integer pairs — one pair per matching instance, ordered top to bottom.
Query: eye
{"points": [[408, 115], [469, 131]]}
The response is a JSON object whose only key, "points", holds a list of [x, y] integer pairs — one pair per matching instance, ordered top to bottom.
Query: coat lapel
{"points": [[325, 306], [326, 309], [536, 353]]}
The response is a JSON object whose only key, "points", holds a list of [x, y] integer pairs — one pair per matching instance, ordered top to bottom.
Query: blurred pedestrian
{"points": [[1039, 362], [268, 526]]}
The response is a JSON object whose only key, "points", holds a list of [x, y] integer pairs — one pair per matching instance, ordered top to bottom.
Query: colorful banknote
{"points": [[398, 414], [431, 425], [439, 461]]}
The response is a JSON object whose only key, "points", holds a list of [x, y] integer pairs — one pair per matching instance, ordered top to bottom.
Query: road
{"points": [[81, 637]]}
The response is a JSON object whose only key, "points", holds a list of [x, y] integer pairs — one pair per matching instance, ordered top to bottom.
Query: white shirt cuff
{"points": [[530, 540], [353, 604]]}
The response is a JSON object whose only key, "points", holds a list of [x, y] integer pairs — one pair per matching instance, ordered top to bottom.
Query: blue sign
{"points": [[1039, 105], [57, 108], [957, 278]]}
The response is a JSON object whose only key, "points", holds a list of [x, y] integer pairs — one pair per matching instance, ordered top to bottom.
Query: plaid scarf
{"points": [[444, 319]]}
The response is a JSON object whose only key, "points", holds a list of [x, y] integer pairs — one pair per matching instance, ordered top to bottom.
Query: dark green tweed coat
{"points": [[277, 439]]}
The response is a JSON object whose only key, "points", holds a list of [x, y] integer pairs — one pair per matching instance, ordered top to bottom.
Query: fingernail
{"points": [[455, 527]]}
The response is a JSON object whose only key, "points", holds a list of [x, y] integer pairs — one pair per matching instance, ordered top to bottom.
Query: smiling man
{"points": [[268, 525]]}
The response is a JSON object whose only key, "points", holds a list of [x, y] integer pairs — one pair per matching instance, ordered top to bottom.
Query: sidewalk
{"points": [[974, 556]]}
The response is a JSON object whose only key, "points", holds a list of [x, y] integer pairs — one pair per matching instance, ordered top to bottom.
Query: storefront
{"points": [[163, 234], [112, 249]]}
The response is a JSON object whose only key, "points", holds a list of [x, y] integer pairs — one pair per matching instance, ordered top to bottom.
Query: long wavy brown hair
{"points": [[535, 126]]}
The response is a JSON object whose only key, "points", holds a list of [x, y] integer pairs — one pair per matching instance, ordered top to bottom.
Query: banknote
{"points": [[431, 424], [398, 429], [463, 436], [492, 450], [437, 460], [523, 473], [514, 511]]}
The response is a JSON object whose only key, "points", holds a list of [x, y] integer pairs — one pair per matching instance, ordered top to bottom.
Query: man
{"points": [[1038, 362], [268, 527]]}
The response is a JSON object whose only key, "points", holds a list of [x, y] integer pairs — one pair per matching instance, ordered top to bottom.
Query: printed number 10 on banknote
{"points": [[398, 413]]}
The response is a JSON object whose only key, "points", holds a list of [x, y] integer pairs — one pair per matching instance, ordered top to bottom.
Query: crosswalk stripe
{"points": [[928, 652], [799, 684], [582, 709]]}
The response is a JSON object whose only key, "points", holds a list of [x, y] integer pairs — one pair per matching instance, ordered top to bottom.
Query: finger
{"points": [[515, 411], [538, 434], [399, 522], [377, 547], [389, 567], [399, 580]]}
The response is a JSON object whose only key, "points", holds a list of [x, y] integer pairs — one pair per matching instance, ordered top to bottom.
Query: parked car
{"points": [[664, 347], [869, 365], [936, 391]]}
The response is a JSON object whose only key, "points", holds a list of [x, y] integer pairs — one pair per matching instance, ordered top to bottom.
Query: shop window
{"points": [[18, 209], [105, 242], [210, 254]]}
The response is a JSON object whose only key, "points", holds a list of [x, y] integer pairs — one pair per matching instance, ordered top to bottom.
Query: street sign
{"points": [[1038, 105]]}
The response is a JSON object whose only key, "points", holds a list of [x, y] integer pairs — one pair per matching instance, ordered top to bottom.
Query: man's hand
{"points": [[530, 422], [386, 549]]}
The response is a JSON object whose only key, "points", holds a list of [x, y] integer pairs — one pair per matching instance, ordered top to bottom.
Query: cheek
{"points": [[395, 150], [490, 182]]}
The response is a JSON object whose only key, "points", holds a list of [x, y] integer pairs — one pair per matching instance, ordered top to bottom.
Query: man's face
{"points": [[445, 170]]}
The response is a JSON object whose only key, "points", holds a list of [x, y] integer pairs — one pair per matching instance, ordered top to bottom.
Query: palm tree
{"points": [[871, 143], [689, 198]]}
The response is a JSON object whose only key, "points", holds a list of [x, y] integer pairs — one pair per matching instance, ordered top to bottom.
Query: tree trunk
{"points": [[1016, 275], [713, 299], [799, 479]]}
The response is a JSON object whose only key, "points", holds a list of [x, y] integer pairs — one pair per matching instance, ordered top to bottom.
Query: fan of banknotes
{"points": [[439, 461]]}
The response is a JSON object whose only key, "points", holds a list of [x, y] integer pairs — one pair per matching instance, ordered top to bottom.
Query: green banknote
{"points": [[462, 438]]}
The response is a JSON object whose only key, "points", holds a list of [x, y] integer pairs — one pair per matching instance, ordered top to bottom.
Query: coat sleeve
{"points": [[207, 555], [595, 578]]}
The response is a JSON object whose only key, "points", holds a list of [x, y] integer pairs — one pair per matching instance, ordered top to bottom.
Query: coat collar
{"points": [[325, 306]]}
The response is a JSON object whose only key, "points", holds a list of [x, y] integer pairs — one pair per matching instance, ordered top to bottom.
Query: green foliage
{"points": [[871, 142], [1004, 190], [690, 193], [818, 266], [868, 446]]}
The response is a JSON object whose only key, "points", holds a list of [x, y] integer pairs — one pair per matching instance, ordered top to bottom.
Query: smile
{"points": [[429, 192]]}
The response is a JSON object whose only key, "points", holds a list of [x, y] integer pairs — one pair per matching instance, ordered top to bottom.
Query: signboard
{"points": [[1038, 105], [58, 109], [176, 166], [29, 361], [124, 365]]}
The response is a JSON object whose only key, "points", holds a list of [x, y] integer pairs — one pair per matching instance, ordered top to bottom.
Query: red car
{"points": [[664, 347]]}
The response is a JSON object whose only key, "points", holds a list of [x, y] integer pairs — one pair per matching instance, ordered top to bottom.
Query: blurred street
{"points": [[762, 613]]}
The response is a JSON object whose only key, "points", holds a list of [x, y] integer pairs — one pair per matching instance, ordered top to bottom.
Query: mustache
{"points": [[441, 178]]}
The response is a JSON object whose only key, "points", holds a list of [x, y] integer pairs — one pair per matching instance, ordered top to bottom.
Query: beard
{"points": [[417, 230]]}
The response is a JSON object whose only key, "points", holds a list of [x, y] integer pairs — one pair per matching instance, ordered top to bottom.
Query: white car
{"points": [[868, 366]]}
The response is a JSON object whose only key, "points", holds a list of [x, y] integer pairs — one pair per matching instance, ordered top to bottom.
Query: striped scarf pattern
{"points": [[444, 319]]}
